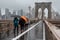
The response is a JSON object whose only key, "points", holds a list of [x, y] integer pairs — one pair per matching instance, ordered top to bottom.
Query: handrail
{"points": [[53, 30], [44, 33], [17, 37]]}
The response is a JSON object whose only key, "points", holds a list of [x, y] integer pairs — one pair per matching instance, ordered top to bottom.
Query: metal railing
{"points": [[51, 31], [44, 38]]}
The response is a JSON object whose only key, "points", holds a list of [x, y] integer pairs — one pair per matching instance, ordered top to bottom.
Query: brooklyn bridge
{"points": [[39, 28]]}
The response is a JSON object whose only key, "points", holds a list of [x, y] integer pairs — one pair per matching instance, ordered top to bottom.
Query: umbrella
{"points": [[15, 16]]}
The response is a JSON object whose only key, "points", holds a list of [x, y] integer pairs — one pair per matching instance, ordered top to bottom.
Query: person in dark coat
{"points": [[15, 21], [22, 22]]}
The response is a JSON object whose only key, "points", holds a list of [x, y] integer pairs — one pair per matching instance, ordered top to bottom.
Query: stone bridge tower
{"points": [[43, 5]]}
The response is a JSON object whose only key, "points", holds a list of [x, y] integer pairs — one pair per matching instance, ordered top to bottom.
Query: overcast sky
{"points": [[23, 4]]}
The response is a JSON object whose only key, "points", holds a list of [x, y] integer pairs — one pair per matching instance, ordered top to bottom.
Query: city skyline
{"points": [[18, 4]]}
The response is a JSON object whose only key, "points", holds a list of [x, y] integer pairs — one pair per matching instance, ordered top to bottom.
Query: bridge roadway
{"points": [[38, 35]]}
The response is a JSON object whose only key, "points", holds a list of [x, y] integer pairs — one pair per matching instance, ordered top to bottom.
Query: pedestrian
{"points": [[22, 21], [15, 25]]}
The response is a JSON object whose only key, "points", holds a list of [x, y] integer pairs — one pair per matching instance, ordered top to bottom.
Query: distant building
{"points": [[14, 12], [21, 12], [30, 12], [33, 12], [6, 13], [0, 14], [29, 15], [55, 15], [9, 16], [3, 17]]}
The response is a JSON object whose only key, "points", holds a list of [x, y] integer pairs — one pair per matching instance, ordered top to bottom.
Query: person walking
{"points": [[16, 21], [22, 22]]}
